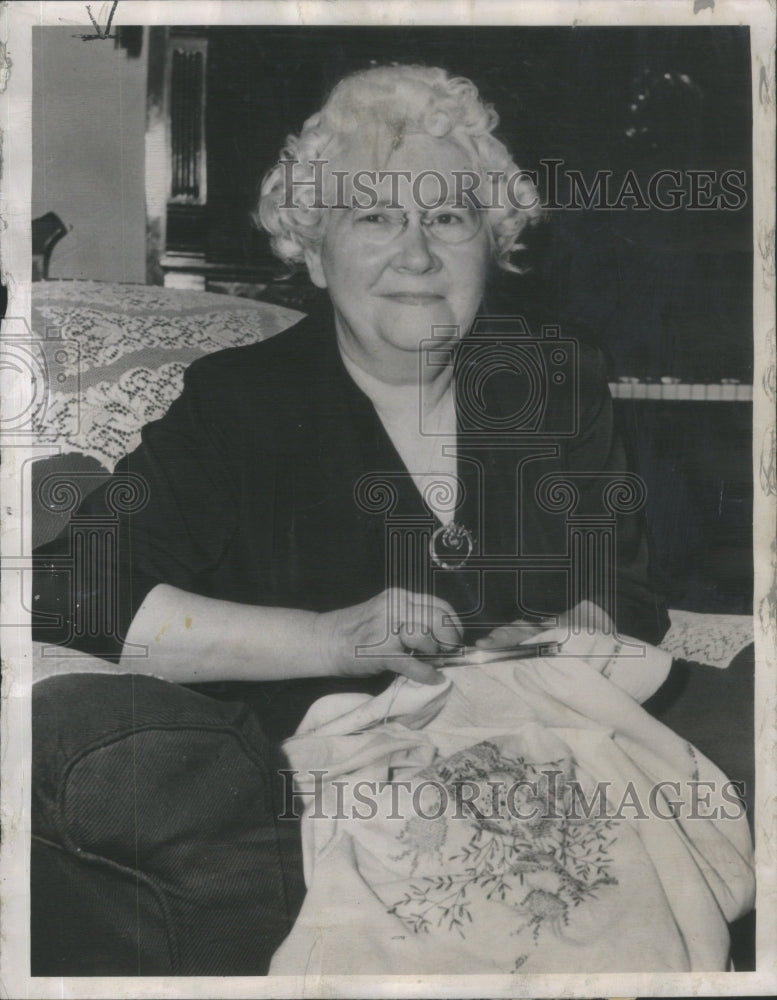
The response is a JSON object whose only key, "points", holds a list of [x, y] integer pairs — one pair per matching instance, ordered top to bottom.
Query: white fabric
{"points": [[637, 668], [493, 893]]}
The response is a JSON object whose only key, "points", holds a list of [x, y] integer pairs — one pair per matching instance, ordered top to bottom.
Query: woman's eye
{"points": [[447, 219]]}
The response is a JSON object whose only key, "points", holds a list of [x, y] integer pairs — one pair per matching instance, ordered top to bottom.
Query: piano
{"points": [[695, 456]]}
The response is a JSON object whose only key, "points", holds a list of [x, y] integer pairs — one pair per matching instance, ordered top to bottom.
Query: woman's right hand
{"points": [[384, 633]]}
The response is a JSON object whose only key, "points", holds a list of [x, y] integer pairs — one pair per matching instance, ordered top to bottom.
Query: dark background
{"points": [[664, 292]]}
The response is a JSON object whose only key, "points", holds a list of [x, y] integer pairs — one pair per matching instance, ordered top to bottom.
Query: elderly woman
{"points": [[267, 553]]}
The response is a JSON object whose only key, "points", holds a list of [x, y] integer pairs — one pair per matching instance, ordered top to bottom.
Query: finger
{"points": [[590, 617], [430, 624], [446, 625], [545, 635], [413, 638], [597, 648], [416, 670]]}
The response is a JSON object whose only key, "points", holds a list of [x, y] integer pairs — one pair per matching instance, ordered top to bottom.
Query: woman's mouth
{"points": [[414, 298]]}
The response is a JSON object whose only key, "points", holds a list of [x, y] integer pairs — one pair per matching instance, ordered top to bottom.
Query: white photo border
{"points": [[16, 22]]}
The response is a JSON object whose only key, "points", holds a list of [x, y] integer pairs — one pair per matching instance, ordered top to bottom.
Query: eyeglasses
{"points": [[449, 225]]}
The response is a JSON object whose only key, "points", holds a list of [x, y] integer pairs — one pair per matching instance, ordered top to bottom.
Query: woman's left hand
{"points": [[585, 631]]}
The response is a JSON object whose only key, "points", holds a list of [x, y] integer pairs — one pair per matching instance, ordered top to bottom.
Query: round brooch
{"points": [[451, 545]]}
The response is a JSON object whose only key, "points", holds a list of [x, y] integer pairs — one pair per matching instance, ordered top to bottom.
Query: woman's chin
{"points": [[410, 327], [418, 337]]}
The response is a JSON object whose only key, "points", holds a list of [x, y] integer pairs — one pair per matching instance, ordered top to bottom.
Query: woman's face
{"points": [[393, 273]]}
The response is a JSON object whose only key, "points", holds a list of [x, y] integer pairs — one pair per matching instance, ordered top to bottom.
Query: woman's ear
{"points": [[314, 266]]}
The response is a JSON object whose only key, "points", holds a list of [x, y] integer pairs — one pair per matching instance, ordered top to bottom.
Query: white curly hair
{"points": [[381, 105]]}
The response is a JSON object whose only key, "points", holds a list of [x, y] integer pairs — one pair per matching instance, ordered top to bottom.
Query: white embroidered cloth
{"points": [[519, 878]]}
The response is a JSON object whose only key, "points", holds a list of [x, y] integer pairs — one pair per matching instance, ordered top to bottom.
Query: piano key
{"points": [[725, 391]]}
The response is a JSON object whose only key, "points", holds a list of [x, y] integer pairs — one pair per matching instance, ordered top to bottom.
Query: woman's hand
{"points": [[585, 631], [384, 633]]}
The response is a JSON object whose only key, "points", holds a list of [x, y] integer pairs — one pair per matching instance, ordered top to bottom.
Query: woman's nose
{"points": [[413, 251]]}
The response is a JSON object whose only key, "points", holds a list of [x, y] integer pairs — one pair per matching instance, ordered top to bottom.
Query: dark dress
{"points": [[271, 481], [251, 494]]}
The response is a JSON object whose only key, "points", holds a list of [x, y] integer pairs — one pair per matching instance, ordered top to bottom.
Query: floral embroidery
{"points": [[694, 759], [425, 839], [528, 849]]}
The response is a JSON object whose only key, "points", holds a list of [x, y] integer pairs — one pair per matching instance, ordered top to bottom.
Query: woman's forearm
{"points": [[187, 638]]}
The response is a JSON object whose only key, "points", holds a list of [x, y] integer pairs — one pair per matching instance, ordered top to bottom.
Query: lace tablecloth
{"points": [[115, 355], [711, 639]]}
